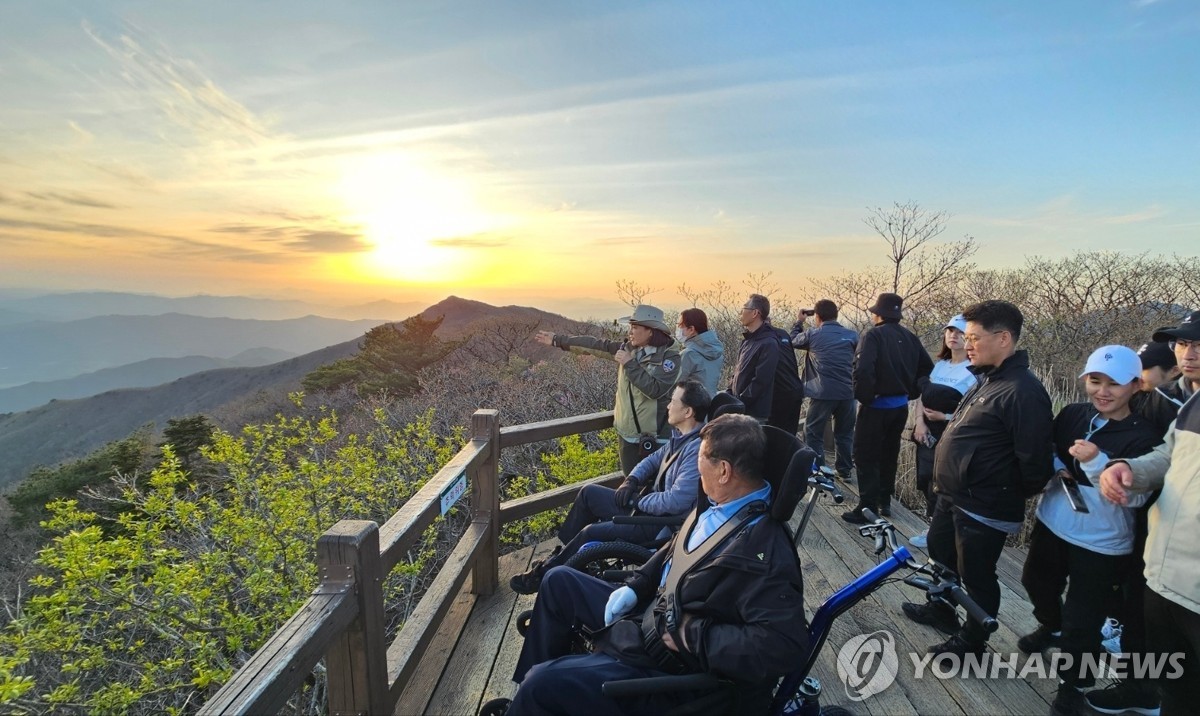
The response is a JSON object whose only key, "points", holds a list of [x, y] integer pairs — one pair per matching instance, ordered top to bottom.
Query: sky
{"points": [[539, 152]]}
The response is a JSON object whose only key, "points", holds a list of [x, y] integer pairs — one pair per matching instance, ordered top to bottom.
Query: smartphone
{"points": [[1074, 496]]}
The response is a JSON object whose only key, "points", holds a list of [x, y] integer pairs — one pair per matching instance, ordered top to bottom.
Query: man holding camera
{"points": [[828, 380], [670, 473]]}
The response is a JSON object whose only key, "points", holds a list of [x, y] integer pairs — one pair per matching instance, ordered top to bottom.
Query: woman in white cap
{"points": [[950, 380], [1079, 535]]}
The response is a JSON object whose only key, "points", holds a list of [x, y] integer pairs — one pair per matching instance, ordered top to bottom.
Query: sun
{"points": [[411, 213]]}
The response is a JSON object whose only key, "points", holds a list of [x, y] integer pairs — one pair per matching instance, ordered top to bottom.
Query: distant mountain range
{"points": [[87, 304], [47, 351], [142, 374], [69, 429]]}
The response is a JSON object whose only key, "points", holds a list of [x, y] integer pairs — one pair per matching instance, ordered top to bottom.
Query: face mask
{"points": [[679, 334]]}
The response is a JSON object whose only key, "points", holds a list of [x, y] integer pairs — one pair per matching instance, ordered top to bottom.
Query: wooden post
{"points": [[485, 500], [348, 559]]}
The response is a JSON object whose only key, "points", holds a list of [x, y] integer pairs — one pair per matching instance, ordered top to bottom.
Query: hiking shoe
{"points": [[885, 512], [855, 516], [921, 540], [528, 582], [935, 614], [1038, 640], [956, 645], [1123, 697], [1069, 701]]}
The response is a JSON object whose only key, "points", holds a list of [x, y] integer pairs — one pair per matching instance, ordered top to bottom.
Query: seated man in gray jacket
{"points": [[665, 483]]}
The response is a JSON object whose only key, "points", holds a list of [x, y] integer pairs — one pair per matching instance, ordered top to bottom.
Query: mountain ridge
{"points": [[70, 429]]}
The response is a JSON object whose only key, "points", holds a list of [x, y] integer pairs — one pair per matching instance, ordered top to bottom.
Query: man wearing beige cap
{"points": [[649, 369]]}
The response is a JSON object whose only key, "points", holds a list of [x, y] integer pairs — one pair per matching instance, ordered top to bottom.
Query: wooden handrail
{"points": [[343, 620]]}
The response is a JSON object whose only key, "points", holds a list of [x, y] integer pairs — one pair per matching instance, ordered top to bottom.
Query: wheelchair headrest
{"points": [[724, 403], [787, 465]]}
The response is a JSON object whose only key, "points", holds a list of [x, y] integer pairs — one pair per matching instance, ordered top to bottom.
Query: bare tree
{"points": [[632, 292]]}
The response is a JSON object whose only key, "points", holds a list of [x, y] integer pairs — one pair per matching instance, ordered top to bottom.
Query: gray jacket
{"points": [[702, 358], [828, 359]]}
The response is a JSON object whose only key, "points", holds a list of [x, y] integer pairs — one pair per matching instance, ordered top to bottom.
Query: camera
{"points": [[808, 311], [647, 444]]}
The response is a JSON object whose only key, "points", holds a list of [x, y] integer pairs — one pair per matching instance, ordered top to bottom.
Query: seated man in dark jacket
{"points": [[664, 483], [736, 612]]}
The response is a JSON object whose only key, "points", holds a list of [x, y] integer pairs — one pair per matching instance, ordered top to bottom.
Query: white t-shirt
{"points": [[954, 375]]}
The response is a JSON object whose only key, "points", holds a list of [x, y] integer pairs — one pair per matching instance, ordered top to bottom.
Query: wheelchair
{"points": [[596, 558], [798, 693]]}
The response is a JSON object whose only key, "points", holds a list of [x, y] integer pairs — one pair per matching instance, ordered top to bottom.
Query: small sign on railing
{"points": [[452, 492]]}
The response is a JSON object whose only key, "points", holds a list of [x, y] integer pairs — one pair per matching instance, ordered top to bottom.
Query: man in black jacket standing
{"points": [[890, 364], [767, 379], [995, 454]]}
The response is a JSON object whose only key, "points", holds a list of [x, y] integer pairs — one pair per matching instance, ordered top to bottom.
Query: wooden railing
{"points": [[343, 619]]}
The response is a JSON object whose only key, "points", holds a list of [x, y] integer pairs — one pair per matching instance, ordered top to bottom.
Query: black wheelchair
{"points": [[793, 478]]}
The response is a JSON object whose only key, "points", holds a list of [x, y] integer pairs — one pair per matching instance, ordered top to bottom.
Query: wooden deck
{"points": [[475, 650]]}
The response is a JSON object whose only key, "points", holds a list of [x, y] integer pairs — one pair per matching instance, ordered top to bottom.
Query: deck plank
{"points": [[465, 677], [500, 683]]}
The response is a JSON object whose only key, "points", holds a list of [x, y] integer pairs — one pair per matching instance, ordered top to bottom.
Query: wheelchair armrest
{"points": [[664, 520], [663, 685]]}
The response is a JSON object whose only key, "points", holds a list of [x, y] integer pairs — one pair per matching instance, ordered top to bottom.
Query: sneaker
{"points": [[855, 516], [921, 540], [528, 582], [935, 614], [1038, 640], [956, 645], [1123, 697], [1069, 701]]}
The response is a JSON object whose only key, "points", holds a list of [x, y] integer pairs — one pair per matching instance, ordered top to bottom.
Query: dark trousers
{"points": [[785, 412], [842, 414], [876, 453], [630, 454], [925, 477], [590, 520], [972, 549], [1093, 593], [1170, 629], [551, 682]]}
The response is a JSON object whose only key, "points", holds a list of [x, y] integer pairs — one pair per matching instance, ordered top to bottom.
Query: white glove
{"points": [[619, 604]]}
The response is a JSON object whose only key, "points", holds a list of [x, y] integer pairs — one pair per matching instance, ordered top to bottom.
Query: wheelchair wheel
{"points": [[595, 559], [523, 621]]}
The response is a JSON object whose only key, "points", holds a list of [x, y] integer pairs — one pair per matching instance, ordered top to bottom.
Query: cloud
{"points": [[180, 92], [71, 198], [483, 240], [335, 241], [338, 242]]}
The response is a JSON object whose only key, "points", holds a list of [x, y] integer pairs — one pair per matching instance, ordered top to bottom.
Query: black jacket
{"points": [[890, 361], [757, 367], [787, 370], [1161, 405], [1131, 437], [997, 450], [742, 610]]}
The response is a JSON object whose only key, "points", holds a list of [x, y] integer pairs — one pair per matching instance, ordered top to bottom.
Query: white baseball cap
{"points": [[957, 322], [1119, 363]]}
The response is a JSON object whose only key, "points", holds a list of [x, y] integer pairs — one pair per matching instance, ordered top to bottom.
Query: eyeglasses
{"points": [[749, 308], [972, 338], [1184, 344]]}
